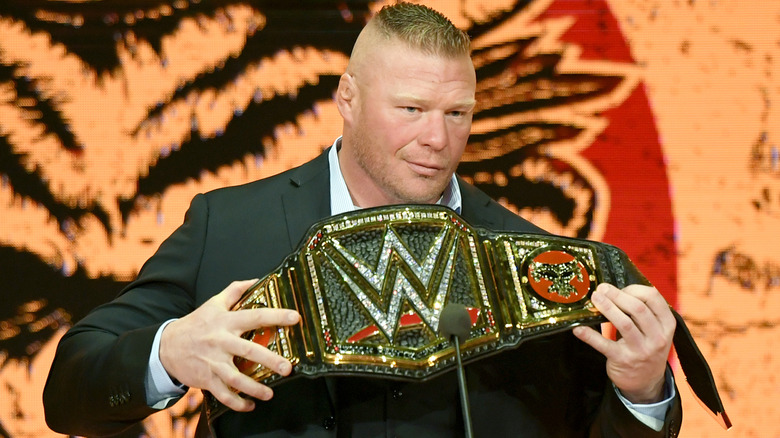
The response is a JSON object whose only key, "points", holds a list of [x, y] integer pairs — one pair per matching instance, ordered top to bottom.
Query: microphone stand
{"points": [[455, 324], [464, 399]]}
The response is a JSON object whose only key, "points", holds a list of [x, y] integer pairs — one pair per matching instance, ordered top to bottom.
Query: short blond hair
{"points": [[422, 28]]}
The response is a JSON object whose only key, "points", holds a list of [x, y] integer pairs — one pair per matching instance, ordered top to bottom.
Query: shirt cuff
{"points": [[160, 388], [652, 415]]}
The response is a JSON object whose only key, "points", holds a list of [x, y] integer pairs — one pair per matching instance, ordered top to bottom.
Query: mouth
{"points": [[424, 169]]}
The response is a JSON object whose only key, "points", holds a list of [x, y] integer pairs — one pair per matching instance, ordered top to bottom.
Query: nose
{"points": [[434, 134]]}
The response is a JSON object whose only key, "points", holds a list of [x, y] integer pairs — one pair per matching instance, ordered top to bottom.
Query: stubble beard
{"points": [[395, 190]]}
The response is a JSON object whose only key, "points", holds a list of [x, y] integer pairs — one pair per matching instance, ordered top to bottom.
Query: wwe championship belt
{"points": [[371, 285]]}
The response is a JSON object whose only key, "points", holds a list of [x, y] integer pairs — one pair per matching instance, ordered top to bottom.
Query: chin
{"points": [[420, 190], [427, 197]]}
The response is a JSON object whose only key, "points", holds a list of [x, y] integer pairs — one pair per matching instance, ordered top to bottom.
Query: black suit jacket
{"points": [[552, 387]]}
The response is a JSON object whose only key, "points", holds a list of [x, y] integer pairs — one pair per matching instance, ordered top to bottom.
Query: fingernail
{"points": [[596, 297], [292, 317], [284, 368]]}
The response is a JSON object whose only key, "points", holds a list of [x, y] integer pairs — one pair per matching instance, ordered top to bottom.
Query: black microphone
{"points": [[455, 324]]}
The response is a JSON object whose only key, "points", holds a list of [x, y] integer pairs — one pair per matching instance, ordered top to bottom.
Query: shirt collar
{"points": [[341, 201]]}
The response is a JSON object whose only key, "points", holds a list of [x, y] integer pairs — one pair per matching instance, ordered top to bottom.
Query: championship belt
{"points": [[370, 287]]}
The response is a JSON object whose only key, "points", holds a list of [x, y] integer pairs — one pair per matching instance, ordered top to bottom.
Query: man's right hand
{"points": [[198, 349]]}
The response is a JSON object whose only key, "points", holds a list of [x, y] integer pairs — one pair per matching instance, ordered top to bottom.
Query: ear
{"points": [[346, 96]]}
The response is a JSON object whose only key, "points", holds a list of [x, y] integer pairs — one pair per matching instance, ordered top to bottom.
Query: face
{"points": [[407, 118]]}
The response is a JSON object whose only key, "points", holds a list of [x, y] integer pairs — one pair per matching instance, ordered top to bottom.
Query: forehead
{"points": [[394, 63]]}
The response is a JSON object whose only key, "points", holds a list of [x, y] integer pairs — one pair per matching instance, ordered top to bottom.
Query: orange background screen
{"points": [[653, 126]]}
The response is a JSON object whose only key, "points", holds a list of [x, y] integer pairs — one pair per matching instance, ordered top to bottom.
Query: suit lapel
{"points": [[307, 199], [305, 202], [476, 207]]}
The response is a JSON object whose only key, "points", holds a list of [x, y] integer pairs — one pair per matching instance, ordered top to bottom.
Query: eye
{"points": [[411, 109]]}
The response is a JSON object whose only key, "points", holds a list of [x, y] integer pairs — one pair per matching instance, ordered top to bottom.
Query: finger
{"points": [[234, 291], [606, 298], [633, 301], [655, 301], [250, 319], [656, 321], [595, 339], [259, 354], [242, 383], [230, 398]]}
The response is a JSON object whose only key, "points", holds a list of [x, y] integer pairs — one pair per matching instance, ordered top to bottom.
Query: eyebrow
{"points": [[465, 103]]}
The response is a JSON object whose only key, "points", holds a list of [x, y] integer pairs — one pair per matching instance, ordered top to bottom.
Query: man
{"points": [[407, 100]]}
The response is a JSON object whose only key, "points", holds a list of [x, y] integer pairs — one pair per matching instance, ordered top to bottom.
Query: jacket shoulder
{"points": [[275, 184], [479, 209]]}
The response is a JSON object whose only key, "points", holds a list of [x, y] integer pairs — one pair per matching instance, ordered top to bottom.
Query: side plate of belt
{"points": [[370, 286]]}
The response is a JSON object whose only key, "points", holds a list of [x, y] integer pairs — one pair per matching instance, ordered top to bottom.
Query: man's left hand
{"points": [[636, 361]]}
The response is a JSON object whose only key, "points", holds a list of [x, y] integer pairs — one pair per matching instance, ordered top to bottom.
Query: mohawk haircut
{"points": [[422, 28]]}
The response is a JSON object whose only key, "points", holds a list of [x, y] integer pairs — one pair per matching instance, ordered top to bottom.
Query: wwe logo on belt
{"points": [[403, 289]]}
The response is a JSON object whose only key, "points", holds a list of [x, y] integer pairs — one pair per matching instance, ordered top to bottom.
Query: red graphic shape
{"points": [[641, 220], [405, 321]]}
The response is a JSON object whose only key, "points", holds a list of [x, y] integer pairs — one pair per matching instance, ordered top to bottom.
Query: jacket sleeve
{"points": [[96, 382], [615, 420]]}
